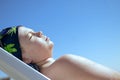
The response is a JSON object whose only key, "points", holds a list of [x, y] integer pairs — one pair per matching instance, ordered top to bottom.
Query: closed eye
{"points": [[30, 35]]}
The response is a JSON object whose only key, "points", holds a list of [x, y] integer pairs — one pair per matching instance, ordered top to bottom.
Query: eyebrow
{"points": [[31, 30]]}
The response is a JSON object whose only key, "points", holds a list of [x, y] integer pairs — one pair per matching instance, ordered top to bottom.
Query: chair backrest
{"points": [[17, 69]]}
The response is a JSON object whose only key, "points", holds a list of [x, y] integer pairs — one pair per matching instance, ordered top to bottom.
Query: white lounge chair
{"points": [[17, 69]]}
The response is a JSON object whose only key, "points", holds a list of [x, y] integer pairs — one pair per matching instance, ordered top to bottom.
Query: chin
{"points": [[51, 44]]}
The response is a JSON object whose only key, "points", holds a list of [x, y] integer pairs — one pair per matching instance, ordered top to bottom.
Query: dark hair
{"points": [[9, 41]]}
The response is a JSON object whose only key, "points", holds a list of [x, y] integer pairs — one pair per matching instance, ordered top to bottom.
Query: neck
{"points": [[45, 63]]}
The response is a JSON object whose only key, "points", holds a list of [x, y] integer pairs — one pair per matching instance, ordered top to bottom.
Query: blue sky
{"points": [[88, 28]]}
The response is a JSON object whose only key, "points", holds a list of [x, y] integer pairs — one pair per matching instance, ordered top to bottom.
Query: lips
{"points": [[46, 38]]}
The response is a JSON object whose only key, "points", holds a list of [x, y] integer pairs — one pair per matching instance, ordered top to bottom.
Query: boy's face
{"points": [[35, 45]]}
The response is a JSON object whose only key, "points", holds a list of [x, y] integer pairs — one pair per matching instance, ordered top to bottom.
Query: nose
{"points": [[39, 33]]}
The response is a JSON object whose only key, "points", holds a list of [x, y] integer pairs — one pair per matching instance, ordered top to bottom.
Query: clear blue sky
{"points": [[89, 28]]}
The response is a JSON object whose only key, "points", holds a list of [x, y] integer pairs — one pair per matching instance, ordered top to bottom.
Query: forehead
{"points": [[28, 29], [23, 31]]}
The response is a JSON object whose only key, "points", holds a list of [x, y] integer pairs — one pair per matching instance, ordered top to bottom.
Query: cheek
{"points": [[43, 44], [40, 45], [41, 50]]}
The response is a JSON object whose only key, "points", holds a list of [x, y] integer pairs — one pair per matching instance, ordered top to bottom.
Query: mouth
{"points": [[47, 38]]}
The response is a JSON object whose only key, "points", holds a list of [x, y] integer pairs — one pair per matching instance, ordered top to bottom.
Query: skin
{"points": [[37, 48]]}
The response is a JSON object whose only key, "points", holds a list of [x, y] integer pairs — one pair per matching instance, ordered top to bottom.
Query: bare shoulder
{"points": [[72, 67], [61, 69]]}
